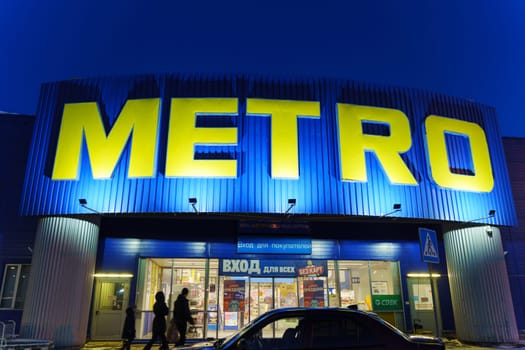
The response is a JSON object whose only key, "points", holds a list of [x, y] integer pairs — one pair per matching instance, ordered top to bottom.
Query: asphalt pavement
{"points": [[456, 344]]}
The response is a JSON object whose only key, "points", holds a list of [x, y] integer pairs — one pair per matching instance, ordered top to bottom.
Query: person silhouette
{"points": [[160, 310], [182, 315], [128, 331]]}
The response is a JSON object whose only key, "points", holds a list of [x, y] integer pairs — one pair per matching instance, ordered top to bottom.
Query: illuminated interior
{"points": [[233, 301]]}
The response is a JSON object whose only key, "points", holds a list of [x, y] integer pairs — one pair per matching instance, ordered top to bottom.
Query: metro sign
{"points": [[139, 122]]}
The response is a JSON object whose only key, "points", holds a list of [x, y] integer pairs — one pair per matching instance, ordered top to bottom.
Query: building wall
{"points": [[276, 149], [16, 232], [514, 237]]}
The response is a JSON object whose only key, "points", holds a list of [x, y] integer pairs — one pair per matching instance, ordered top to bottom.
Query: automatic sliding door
{"points": [[286, 292], [261, 296]]}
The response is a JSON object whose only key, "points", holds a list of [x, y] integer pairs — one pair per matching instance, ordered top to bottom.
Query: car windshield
{"points": [[387, 324], [218, 344]]}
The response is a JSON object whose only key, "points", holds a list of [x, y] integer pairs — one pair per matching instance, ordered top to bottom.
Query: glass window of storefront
{"points": [[14, 286], [222, 304]]}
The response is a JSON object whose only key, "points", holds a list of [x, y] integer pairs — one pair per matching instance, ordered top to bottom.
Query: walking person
{"points": [[160, 310], [182, 315], [128, 332]]}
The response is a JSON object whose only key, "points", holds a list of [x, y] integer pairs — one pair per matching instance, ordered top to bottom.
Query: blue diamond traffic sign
{"points": [[429, 245]]}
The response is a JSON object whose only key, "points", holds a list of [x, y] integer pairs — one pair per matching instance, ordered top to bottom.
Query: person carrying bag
{"points": [[160, 310], [182, 315], [173, 334]]}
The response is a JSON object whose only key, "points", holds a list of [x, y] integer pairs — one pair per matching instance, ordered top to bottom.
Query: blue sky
{"points": [[466, 48]]}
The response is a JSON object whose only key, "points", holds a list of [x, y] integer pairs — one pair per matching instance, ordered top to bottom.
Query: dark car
{"points": [[321, 328]]}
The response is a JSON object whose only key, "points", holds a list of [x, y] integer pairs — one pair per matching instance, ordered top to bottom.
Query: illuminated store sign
{"points": [[138, 124], [247, 145], [273, 245], [273, 268], [387, 302]]}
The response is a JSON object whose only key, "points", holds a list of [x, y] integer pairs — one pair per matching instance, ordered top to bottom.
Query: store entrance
{"points": [[270, 293], [226, 294], [261, 296], [246, 298], [111, 301], [423, 304]]}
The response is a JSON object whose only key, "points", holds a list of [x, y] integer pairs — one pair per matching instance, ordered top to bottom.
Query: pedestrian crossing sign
{"points": [[429, 246]]}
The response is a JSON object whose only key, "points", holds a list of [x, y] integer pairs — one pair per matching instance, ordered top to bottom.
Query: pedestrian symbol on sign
{"points": [[429, 247], [430, 250]]}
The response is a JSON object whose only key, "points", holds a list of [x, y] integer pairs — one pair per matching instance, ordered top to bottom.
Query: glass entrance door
{"points": [[271, 293], [286, 294], [261, 296], [111, 301], [422, 305]]}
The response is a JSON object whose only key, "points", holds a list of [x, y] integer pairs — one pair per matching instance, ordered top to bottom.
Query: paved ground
{"points": [[450, 344], [455, 344]]}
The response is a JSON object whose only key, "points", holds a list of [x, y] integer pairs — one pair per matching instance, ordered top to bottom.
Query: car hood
{"points": [[423, 339], [205, 345]]}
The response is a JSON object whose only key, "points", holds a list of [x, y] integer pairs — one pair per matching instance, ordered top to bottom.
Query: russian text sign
{"points": [[270, 245], [273, 268], [386, 302]]}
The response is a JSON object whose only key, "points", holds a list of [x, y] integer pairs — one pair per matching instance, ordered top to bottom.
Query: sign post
{"points": [[430, 255]]}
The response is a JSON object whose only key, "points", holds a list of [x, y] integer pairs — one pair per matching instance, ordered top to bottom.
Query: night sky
{"points": [[465, 48]]}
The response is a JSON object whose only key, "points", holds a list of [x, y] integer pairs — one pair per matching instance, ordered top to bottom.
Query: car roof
{"points": [[312, 310], [305, 311]]}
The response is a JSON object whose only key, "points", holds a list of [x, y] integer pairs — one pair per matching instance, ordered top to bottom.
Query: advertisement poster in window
{"points": [[379, 287], [313, 293], [234, 295], [423, 296], [233, 301], [231, 322]]}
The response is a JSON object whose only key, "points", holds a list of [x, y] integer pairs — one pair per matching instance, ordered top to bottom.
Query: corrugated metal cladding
{"points": [[318, 190], [479, 281], [47, 309]]}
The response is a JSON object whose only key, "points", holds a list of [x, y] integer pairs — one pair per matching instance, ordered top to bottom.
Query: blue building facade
{"points": [[258, 193]]}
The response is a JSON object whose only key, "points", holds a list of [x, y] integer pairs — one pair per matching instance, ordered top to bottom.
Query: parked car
{"points": [[320, 328]]}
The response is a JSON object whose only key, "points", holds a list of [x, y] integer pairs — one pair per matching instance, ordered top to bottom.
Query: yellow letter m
{"points": [[137, 121]]}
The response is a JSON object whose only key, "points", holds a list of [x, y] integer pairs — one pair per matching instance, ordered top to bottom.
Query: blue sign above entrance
{"points": [[266, 245], [273, 268]]}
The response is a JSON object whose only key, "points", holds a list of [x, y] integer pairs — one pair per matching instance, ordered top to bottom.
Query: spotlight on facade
{"points": [[193, 201], [83, 203], [291, 204], [395, 208], [492, 212]]}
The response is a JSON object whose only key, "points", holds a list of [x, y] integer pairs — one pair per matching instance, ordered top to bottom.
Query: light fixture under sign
{"points": [[193, 202], [83, 203], [291, 204], [395, 208], [491, 214], [114, 275], [423, 275]]}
